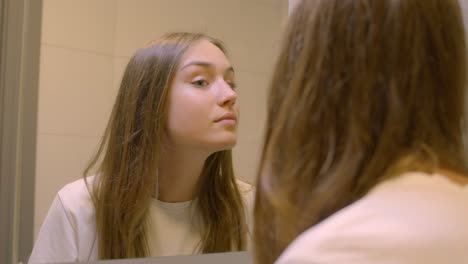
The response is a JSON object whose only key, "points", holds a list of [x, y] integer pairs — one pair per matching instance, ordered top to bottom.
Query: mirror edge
{"points": [[20, 26]]}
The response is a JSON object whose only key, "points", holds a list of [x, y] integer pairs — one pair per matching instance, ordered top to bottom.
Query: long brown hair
{"points": [[362, 91], [129, 156]]}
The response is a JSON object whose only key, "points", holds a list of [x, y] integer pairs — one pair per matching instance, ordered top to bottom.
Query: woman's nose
{"points": [[227, 95]]}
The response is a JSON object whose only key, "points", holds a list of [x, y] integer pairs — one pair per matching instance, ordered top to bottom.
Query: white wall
{"points": [[85, 47]]}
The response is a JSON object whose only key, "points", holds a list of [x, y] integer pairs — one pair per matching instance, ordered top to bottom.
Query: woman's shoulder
{"points": [[244, 186], [78, 188], [246, 190], [75, 197], [408, 219], [68, 233]]}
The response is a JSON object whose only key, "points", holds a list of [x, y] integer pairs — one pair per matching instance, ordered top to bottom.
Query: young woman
{"points": [[363, 159], [164, 183]]}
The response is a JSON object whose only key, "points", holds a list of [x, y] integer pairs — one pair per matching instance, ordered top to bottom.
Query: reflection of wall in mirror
{"points": [[85, 47]]}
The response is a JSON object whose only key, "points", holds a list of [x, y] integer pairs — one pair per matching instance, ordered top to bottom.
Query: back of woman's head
{"points": [[362, 90]]}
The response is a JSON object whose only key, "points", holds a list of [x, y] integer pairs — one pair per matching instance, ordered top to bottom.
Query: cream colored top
{"points": [[412, 219], [68, 233]]}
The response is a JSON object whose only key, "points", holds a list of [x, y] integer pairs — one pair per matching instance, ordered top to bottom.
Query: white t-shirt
{"points": [[412, 219], [68, 233]]}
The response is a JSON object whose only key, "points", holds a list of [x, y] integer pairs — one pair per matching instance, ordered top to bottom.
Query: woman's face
{"points": [[203, 108]]}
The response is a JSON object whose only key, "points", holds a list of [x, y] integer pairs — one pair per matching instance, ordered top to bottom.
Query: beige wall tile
{"points": [[270, 2], [139, 21], [83, 24], [251, 32], [120, 63], [74, 91], [252, 95], [246, 156]]}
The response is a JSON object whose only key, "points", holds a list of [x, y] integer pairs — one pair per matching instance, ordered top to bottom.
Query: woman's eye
{"points": [[200, 83], [232, 84]]}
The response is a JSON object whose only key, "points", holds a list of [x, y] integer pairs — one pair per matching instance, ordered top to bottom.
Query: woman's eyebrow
{"points": [[205, 65]]}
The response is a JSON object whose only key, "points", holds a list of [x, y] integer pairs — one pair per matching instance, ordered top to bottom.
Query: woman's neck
{"points": [[179, 175]]}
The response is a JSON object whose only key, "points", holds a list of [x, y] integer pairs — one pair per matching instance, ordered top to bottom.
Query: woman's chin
{"points": [[226, 144]]}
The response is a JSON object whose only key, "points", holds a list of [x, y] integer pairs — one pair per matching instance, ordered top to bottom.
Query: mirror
{"points": [[85, 46], [62, 153]]}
